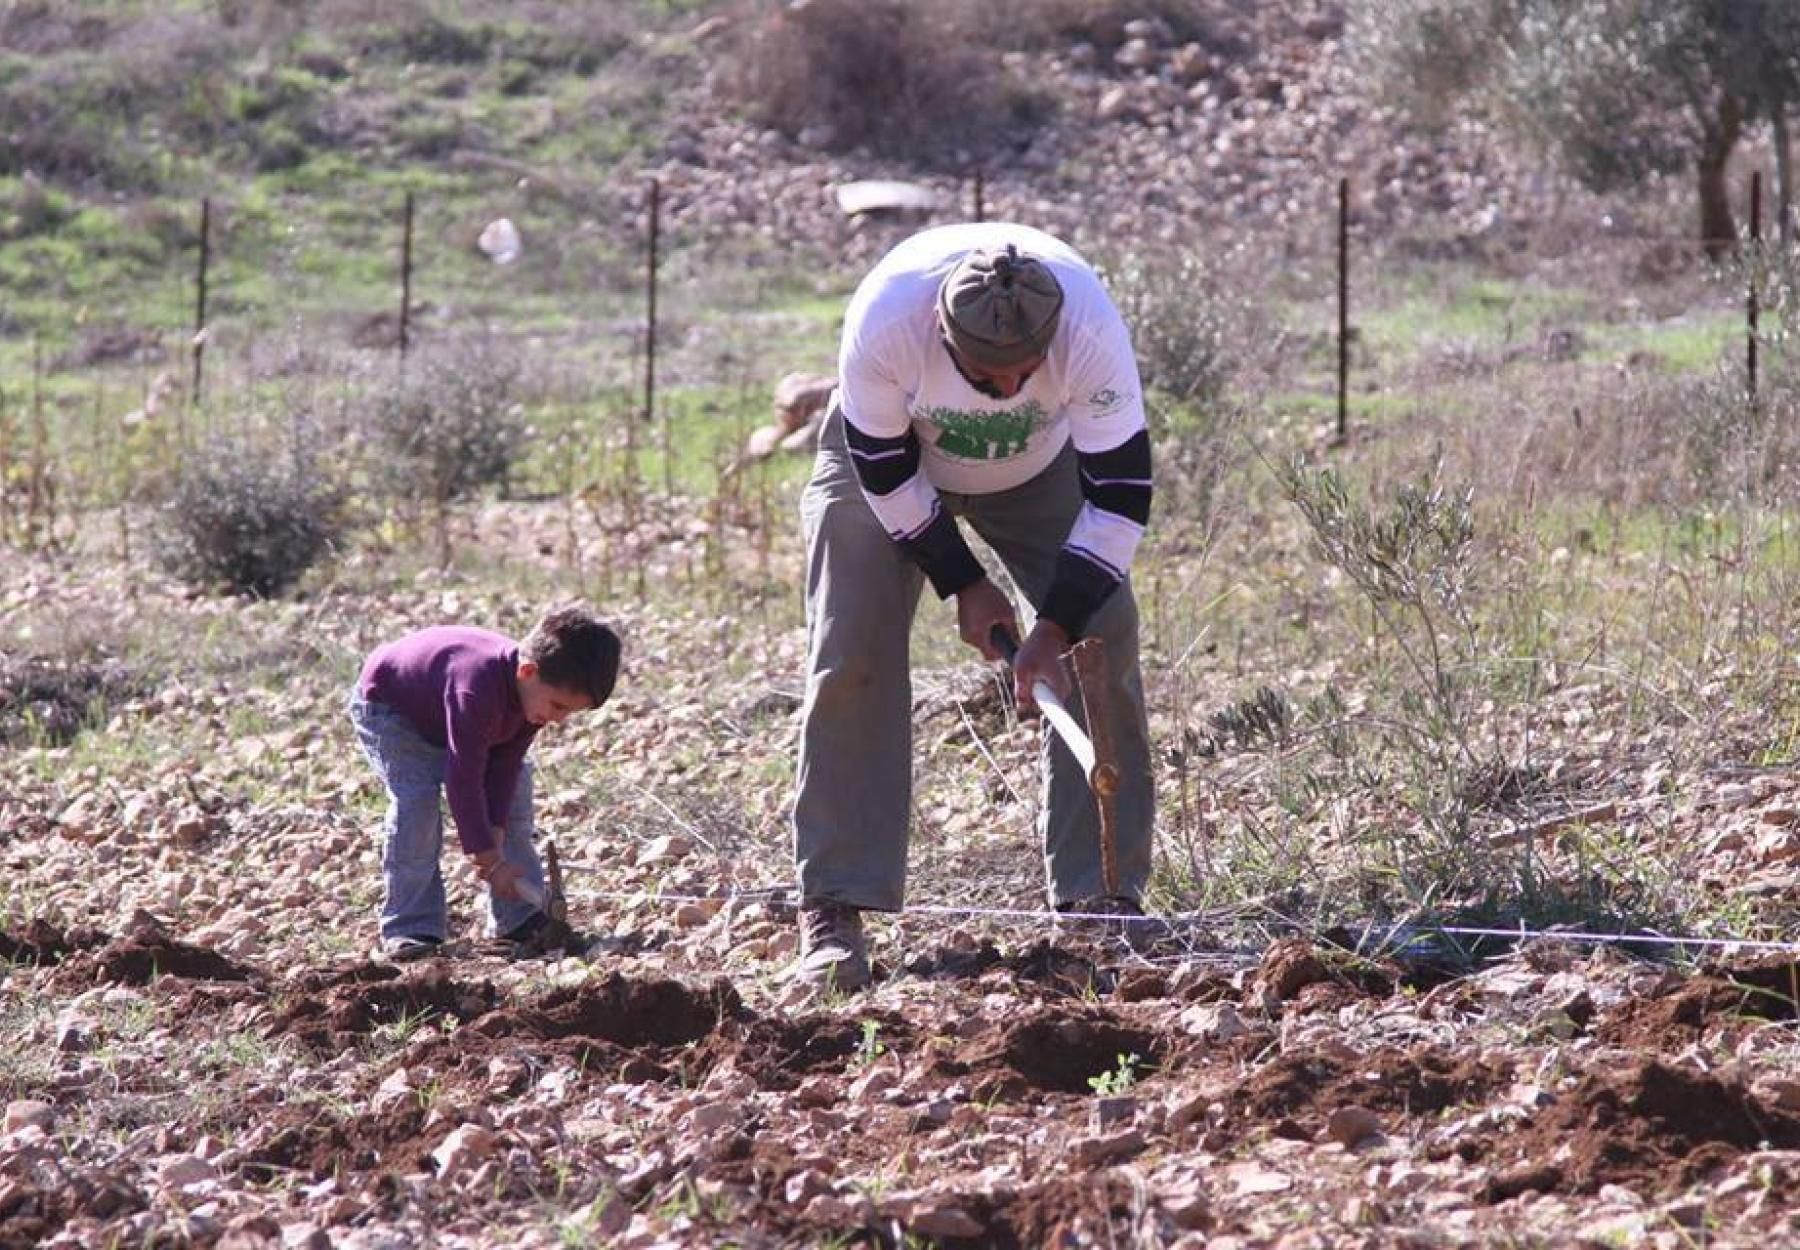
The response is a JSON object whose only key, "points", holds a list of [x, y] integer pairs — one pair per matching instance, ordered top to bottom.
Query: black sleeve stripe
{"points": [[1129, 461], [883, 465], [1118, 480], [1130, 500], [943, 553], [1097, 560], [1077, 590]]}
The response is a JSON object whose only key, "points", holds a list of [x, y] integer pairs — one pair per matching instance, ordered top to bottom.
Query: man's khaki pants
{"points": [[853, 804]]}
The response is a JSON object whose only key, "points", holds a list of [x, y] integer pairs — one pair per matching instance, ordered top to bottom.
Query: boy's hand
{"points": [[501, 876]]}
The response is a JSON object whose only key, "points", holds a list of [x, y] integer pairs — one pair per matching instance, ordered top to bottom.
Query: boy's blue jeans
{"points": [[412, 770]]}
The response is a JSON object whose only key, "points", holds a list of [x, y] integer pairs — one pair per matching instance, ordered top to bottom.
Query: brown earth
{"points": [[772, 1119]]}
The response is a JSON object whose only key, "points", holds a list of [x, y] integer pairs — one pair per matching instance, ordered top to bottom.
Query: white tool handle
{"points": [[1080, 746]]}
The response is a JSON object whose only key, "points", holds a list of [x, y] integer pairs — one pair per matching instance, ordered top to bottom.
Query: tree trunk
{"points": [[1784, 173], [1718, 229]]}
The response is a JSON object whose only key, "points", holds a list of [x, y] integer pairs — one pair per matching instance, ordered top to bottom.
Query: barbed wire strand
{"points": [[1398, 936]]}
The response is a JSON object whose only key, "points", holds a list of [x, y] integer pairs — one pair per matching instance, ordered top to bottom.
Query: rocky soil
{"points": [[1241, 138], [198, 1050], [1556, 1097]]}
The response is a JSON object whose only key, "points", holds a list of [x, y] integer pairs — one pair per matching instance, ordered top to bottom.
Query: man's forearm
{"points": [[1116, 494], [908, 508]]}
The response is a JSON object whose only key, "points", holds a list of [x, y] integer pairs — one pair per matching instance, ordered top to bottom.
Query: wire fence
{"points": [[63, 431], [1220, 933]]}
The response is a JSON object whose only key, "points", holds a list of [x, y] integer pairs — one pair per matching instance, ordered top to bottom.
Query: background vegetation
{"points": [[1549, 573]]}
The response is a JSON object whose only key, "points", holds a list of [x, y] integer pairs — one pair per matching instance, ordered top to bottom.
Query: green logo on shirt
{"points": [[986, 435]]}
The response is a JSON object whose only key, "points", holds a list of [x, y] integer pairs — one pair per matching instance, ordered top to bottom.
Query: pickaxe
{"points": [[1094, 753], [552, 902]]}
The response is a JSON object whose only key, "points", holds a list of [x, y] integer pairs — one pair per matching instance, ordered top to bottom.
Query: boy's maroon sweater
{"points": [[459, 687]]}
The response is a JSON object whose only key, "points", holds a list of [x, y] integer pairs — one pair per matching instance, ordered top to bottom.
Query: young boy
{"points": [[453, 709]]}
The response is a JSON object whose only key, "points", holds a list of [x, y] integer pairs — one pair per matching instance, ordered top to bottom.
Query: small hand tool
{"points": [[1095, 754]]}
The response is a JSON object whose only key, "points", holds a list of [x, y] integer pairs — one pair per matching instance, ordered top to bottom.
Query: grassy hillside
{"points": [[307, 128]]}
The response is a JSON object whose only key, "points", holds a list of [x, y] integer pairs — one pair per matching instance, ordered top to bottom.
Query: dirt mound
{"points": [[41, 942], [142, 957], [1043, 963], [1289, 966], [1318, 977], [1771, 987], [1766, 990], [623, 1011], [335, 1012], [619, 1027], [632, 1030], [1056, 1050], [779, 1052], [1304, 1089], [1650, 1127], [392, 1141]]}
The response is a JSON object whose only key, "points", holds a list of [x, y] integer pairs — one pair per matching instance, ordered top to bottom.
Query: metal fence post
{"points": [[406, 249], [200, 294], [650, 302], [1343, 309], [1751, 309]]}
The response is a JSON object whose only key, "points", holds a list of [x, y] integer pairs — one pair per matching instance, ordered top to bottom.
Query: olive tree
{"points": [[1613, 90]]}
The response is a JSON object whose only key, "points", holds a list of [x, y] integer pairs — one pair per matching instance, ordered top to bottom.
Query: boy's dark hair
{"points": [[574, 651]]}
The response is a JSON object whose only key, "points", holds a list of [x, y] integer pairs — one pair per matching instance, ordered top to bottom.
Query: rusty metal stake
{"points": [[1089, 660]]}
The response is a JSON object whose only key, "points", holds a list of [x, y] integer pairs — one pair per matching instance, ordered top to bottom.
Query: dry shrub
{"points": [[41, 27], [576, 35], [908, 78], [59, 118], [28, 207], [1192, 323], [451, 425], [1634, 438], [246, 521]]}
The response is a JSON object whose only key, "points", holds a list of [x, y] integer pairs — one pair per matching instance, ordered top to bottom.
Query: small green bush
{"points": [[447, 43], [283, 91], [48, 128], [427, 135], [274, 148], [28, 207], [1184, 318], [450, 425], [246, 520]]}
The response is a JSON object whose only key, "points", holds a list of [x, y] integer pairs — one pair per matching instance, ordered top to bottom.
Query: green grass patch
{"points": [[1439, 306], [1691, 343], [1385, 405]]}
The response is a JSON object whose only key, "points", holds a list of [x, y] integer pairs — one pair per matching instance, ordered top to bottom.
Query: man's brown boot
{"points": [[833, 951]]}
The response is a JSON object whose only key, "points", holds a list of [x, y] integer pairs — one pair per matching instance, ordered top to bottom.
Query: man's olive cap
{"points": [[999, 308]]}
